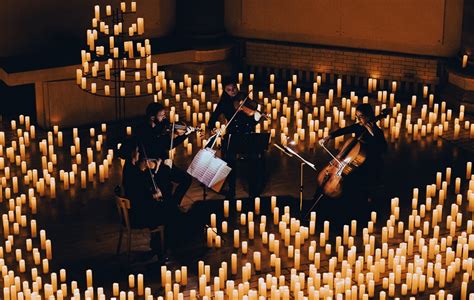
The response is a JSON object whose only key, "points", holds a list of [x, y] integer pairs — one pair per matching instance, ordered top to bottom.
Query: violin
{"points": [[249, 107], [178, 127], [351, 156]]}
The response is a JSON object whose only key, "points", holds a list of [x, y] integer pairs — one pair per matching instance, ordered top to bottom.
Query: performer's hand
{"points": [[189, 130], [214, 131], [181, 132], [324, 140], [168, 162], [157, 163], [157, 195]]}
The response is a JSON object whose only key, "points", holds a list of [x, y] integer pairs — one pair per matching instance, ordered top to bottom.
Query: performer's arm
{"points": [[215, 115], [354, 128]]}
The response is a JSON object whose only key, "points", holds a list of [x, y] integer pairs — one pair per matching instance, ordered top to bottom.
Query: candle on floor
{"points": [[464, 61], [238, 205], [257, 205], [226, 208], [251, 230], [209, 237], [236, 238], [244, 247], [257, 260], [234, 263]]}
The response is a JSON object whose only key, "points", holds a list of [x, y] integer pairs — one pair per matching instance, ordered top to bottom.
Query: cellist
{"points": [[368, 175]]}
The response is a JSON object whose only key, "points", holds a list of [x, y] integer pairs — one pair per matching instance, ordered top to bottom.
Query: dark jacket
{"points": [[242, 123], [157, 140], [375, 145], [144, 211]]}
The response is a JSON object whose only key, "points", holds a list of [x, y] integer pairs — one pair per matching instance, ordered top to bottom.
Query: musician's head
{"points": [[230, 87], [155, 113], [364, 113], [129, 150]]}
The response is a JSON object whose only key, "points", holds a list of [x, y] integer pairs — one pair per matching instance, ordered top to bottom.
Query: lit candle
{"points": [[464, 61], [238, 205], [257, 205], [226, 208], [224, 226], [236, 238], [244, 247], [234, 263]]}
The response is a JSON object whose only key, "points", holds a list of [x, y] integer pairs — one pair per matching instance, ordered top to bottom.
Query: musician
{"points": [[241, 124], [155, 135], [369, 174], [148, 207]]}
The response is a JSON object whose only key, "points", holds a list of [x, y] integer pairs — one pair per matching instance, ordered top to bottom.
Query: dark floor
{"points": [[83, 224]]}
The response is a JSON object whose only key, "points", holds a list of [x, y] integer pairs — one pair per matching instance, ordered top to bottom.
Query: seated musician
{"points": [[242, 123], [155, 135], [369, 174], [148, 208]]}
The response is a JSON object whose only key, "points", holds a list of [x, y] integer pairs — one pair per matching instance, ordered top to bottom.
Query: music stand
{"points": [[248, 143], [303, 162]]}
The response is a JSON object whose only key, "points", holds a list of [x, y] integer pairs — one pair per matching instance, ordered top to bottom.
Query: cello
{"points": [[351, 156]]}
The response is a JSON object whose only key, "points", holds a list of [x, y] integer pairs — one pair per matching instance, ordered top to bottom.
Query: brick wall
{"points": [[353, 66]]}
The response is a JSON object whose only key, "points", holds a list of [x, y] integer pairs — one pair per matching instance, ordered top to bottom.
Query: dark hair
{"points": [[228, 80], [153, 108], [366, 110], [128, 147]]}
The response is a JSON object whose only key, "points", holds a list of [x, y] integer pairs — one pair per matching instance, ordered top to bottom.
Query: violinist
{"points": [[245, 120], [156, 137], [368, 175], [148, 207]]}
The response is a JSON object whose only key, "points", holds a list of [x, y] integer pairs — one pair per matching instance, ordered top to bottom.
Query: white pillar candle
{"points": [[464, 61], [238, 205], [257, 205], [226, 208], [236, 238], [234, 264]]}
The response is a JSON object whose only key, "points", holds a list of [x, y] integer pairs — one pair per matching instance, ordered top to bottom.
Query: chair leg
{"points": [[162, 240], [119, 245], [129, 247]]}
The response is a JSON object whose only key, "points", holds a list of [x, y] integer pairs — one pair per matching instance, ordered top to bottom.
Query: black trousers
{"points": [[165, 177]]}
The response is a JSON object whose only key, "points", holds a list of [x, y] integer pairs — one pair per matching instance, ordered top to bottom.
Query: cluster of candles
{"points": [[131, 59], [305, 118], [32, 252], [416, 256], [426, 257]]}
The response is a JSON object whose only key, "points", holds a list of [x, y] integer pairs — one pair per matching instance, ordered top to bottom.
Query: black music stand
{"points": [[248, 145]]}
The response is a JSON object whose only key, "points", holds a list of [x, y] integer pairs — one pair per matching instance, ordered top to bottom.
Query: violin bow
{"points": [[231, 119], [171, 143], [149, 170]]}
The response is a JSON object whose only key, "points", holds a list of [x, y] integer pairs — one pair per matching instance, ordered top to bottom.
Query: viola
{"points": [[351, 156]]}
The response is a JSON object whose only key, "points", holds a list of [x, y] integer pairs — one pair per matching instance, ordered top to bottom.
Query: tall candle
{"points": [[464, 61], [226, 208], [236, 238], [234, 263]]}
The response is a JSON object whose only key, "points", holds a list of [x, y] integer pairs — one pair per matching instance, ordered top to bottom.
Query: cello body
{"points": [[351, 156]]}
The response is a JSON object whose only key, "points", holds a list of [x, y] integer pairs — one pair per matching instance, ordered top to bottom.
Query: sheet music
{"points": [[207, 168], [221, 174]]}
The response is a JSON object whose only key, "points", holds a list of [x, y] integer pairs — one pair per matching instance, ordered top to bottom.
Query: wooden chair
{"points": [[123, 206]]}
